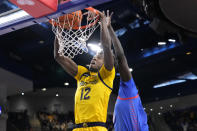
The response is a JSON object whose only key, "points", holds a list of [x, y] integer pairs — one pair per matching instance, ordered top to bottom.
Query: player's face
{"points": [[97, 62]]}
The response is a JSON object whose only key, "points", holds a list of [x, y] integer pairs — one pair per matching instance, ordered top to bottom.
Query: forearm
{"points": [[105, 36], [106, 42], [117, 45], [120, 56], [108, 59], [67, 64]]}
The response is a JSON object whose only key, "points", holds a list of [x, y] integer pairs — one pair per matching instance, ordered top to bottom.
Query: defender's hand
{"points": [[108, 18]]}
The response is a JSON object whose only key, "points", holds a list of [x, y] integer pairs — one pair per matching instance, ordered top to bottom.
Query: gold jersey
{"points": [[92, 94]]}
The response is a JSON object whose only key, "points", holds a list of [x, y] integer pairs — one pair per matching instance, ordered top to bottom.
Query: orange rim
{"points": [[84, 26]]}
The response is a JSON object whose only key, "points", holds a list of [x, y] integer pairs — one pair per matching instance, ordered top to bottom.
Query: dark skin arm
{"points": [[106, 43], [66, 63], [71, 67], [125, 73]]}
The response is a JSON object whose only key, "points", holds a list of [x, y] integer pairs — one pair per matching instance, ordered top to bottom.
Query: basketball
{"points": [[72, 20]]}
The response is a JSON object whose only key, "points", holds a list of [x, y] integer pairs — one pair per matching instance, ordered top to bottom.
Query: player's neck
{"points": [[93, 70]]}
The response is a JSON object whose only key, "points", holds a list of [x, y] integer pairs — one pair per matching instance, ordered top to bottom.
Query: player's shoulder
{"points": [[82, 69], [104, 71], [128, 82], [128, 85]]}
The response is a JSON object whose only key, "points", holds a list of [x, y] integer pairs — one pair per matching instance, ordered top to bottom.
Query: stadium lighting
{"points": [[12, 17], [121, 32], [172, 40], [41, 42], [161, 43], [95, 47], [188, 53], [130, 69], [188, 76], [171, 82], [66, 83], [44, 89]]}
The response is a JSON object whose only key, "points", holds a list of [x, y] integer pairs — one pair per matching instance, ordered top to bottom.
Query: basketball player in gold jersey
{"points": [[94, 85]]}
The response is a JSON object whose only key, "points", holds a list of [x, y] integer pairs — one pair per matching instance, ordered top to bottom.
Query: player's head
{"points": [[97, 62]]}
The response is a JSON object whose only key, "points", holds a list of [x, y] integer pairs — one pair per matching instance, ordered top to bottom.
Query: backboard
{"points": [[13, 18]]}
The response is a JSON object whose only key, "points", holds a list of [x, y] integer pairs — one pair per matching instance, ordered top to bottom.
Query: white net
{"points": [[71, 35]]}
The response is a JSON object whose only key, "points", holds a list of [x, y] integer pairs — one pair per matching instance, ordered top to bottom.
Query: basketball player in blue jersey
{"points": [[129, 114]]}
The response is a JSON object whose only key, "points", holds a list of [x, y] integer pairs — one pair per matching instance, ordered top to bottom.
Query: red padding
{"points": [[37, 8]]}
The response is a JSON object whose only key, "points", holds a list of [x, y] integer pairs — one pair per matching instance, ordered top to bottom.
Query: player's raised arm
{"points": [[106, 43], [67, 64], [125, 74]]}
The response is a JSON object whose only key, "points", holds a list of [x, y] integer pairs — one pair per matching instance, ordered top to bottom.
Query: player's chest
{"points": [[88, 79], [89, 88]]}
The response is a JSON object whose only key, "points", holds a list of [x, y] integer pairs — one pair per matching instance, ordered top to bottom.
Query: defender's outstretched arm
{"points": [[106, 43], [119, 52]]}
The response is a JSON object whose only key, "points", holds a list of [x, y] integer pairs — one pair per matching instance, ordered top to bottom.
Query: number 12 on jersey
{"points": [[84, 93]]}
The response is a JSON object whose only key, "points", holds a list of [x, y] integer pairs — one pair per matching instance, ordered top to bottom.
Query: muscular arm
{"points": [[106, 43], [66, 63], [125, 74]]}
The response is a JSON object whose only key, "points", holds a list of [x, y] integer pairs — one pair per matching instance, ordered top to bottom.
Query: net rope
{"points": [[73, 41]]}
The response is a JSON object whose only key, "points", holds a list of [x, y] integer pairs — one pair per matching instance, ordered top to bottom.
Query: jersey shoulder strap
{"points": [[103, 81]]}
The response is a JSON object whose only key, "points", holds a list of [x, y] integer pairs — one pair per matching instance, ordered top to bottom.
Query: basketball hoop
{"points": [[72, 33]]}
